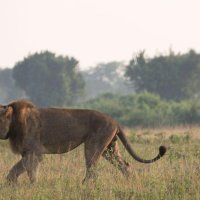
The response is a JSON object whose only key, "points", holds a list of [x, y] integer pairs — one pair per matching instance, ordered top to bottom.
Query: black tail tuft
{"points": [[162, 150]]}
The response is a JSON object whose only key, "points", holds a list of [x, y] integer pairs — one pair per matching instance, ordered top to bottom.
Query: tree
{"points": [[174, 76], [106, 77], [49, 79], [8, 89]]}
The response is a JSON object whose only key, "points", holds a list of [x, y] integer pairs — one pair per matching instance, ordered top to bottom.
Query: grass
{"points": [[175, 176]]}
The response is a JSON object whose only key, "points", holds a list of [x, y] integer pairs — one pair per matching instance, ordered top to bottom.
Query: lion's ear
{"points": [[9, 112]]}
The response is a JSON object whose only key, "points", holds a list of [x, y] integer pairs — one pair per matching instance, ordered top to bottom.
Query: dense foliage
{"points": [[175, 76], [49, 79], [8, 89], [146, 109]]}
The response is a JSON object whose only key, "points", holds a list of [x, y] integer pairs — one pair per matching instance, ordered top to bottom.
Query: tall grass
{"points": [[175, 176]]}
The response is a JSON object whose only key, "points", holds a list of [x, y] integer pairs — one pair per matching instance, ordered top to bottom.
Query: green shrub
{"points": [[146, 109]]}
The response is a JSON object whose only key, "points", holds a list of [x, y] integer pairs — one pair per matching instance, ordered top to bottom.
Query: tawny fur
{"points": [[34, 131]]}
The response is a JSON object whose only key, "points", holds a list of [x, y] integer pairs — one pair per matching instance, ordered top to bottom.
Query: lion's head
{"points": [[5, 121]]}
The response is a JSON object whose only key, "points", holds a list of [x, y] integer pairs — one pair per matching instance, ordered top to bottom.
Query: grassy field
{"points": [[175, 176]]}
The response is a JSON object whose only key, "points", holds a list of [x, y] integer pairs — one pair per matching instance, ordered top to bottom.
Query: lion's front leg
{"points": [[29, 163], [32, 165], [15, 171]]}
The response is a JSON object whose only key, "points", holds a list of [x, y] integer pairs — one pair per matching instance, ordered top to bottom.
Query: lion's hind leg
{"points": [[94, 148], [92, 155], [113, 156]]}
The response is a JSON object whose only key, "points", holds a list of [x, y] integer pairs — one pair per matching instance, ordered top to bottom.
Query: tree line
{"points": [[51, 80], [55, 80]]}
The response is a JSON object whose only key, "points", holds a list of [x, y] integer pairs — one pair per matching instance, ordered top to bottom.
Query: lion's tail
{"points": [[121, 135]]}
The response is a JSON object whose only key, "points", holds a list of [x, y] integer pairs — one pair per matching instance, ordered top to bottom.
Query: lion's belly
{"points": [[62, 130], [61, 142], [58, 148]]}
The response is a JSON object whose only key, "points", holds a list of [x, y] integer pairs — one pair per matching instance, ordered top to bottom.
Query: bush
{"points": [[146, 109]]}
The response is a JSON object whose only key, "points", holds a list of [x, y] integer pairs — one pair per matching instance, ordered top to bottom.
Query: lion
{"points": [[34, 131]]}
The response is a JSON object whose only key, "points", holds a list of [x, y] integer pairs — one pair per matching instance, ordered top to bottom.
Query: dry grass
{"points": [[176, 176]]}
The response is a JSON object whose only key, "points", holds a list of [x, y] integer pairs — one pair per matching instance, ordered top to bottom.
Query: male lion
{"points": [[35, 131]]}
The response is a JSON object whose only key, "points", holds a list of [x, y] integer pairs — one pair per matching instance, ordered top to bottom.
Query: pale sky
{"points": [[95, 31]]}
